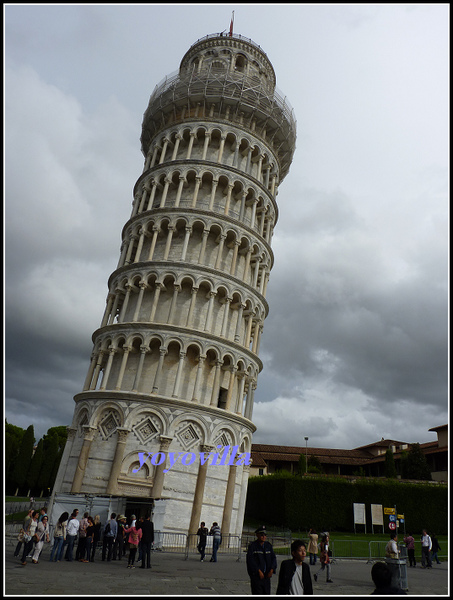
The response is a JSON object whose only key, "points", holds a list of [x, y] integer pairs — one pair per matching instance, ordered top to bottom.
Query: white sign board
{"points": [[359, 514], [376, 515]]}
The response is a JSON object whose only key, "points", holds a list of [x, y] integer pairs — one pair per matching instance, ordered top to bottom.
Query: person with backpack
{"points": [[110, 533]]}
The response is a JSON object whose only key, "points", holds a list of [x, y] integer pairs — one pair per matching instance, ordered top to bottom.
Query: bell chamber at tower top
{"points": [[230, 79]]}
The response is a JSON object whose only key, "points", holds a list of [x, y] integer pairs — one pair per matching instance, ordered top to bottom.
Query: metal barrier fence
{"points": [[230, 544]]}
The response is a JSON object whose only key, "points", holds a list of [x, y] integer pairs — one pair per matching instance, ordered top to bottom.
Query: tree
{"points": [[13, 440], [51, 453], [24, 459], [302, 465], [314, 465], [389, 465], [414, 465], [35, 467]]}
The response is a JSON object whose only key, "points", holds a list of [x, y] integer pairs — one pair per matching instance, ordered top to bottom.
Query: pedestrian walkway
{"points": [[171, 575]]}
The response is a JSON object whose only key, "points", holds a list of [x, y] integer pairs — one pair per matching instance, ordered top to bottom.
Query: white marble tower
{"points": [[175, 360]]}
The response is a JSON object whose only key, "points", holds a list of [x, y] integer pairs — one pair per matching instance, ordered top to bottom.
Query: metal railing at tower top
{"points": [[234, 36], [174, 78]]}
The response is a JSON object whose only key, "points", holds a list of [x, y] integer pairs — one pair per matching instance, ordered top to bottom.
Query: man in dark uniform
{"points": [[147, 540], [261, 563]]}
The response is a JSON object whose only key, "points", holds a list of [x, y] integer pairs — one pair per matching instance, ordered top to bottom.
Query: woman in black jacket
{"points": [[294, 577]]}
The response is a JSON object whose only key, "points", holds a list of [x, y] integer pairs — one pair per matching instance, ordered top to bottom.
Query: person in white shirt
{"points": [[72, 530], [426, 548]]}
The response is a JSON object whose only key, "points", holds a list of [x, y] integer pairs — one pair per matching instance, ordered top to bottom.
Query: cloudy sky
{"points": [[355, 346]]}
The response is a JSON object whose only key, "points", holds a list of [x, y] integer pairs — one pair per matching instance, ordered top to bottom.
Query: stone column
{"points": [[195, 192], [152, 194], [171, 230], [153, 242], [186, 243], [142, 285], [128, 287], [159, 287], [192, 306], [126, 350], [143, 351], [162, 352], [182, 356], [105, 378], [215, 385], [196, 387], [229, 398], [83, 458], [158, 482], [112, 486], [199, 492], [229, 498]]}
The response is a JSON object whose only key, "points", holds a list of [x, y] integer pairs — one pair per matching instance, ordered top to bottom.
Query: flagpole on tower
{"points": [[231, 24]]}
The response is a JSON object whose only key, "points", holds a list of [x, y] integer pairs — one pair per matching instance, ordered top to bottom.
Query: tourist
{"points": [[72, 530], [22, 531], [89, 533], [110, 533], [202, 533], [28, 536], [41, 536], [59, 536], [96, 536], [216, 540], [133, 541], [146, 541], [313, 546], [410, 546], [391, 549], [426, 549], [435, 549], [80, 553], [324, 558], [261, 563], [381, 575], [294, 577]]}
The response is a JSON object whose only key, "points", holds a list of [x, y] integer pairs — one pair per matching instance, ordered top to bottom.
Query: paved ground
{"points": [[171, 575]]}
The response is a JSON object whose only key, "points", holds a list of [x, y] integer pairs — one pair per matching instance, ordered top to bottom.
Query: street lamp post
{"points": [[306, 454]]}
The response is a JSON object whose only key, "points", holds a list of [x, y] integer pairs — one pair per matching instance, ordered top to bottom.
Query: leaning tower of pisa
{"points": [[175, 359]]}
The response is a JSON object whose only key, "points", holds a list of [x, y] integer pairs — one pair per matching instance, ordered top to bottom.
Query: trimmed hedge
{"points": [[326, 503]]}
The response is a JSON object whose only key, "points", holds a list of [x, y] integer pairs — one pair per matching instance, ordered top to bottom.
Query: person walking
{"points": [[41, 535], [28, 536], [59, 536], [20, 537], [203, 537], [216, 540], [146, 541], [313, 546], [410, 546], [426, 549], [435, 549], [324, 558], [261, 563], [294, 577]]}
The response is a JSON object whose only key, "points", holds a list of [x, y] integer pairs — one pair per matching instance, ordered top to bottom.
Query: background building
{"points": [[175, 360], [367, 460]]}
